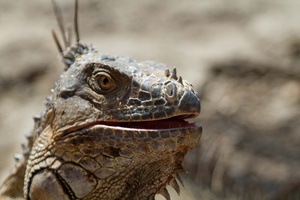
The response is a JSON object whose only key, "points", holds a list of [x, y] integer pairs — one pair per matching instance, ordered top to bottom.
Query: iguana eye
{"points": [[105, 81]]}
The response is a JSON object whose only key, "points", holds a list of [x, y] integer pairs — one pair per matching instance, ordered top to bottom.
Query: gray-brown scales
{"points": [[113, 128]]}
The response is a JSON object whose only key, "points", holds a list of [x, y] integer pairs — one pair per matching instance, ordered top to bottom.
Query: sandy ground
{"points": [[191, 35]]}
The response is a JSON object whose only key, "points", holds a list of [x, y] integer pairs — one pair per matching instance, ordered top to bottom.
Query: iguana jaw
{"points": [[173, 133]]}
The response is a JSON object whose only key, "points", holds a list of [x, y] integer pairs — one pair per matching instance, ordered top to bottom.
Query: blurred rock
{"points": [[250, 146]]}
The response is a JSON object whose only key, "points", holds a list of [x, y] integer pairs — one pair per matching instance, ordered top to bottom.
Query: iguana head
{"points": [[118, 91], [114, 128]]}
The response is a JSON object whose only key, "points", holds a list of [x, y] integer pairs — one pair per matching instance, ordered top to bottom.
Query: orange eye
{"points": [[105, 82]]}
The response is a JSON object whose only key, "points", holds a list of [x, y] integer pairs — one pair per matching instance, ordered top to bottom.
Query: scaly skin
{"points": [[113, 128]]}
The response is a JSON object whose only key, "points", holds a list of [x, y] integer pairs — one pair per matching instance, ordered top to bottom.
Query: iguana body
{"points": [[114, 128]]}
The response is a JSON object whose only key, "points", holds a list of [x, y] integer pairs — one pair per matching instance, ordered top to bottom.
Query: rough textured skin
{"points": [[113, 128]]}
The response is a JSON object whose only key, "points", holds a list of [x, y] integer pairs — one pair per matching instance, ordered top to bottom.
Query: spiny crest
{"points": [[69, 52], [173, 75], [173, 183], [165, 193]]}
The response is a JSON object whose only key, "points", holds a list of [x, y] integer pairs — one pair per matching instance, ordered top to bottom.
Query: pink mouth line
{"points": [[158, 124]]}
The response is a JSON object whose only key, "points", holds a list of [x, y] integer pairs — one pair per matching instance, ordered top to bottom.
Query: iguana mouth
{"points": [[170, 123], [174, 123]]}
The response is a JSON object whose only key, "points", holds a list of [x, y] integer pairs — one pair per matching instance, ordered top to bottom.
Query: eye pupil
{"points": [[105, 81]]}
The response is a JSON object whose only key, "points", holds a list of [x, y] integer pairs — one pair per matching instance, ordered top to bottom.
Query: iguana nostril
{"points": [[171, 91]]}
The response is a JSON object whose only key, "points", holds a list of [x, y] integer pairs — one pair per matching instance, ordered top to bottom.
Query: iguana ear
{"points": [[69, 52]]}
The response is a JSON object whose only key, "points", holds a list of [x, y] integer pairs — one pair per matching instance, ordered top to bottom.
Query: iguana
{"points": [[113, 128]]}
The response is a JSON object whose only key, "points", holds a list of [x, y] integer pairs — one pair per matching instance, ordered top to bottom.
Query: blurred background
{"points": [[243, 58]]}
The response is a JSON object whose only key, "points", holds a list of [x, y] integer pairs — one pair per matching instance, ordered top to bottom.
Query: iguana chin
{"points": [[113, 128]]}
